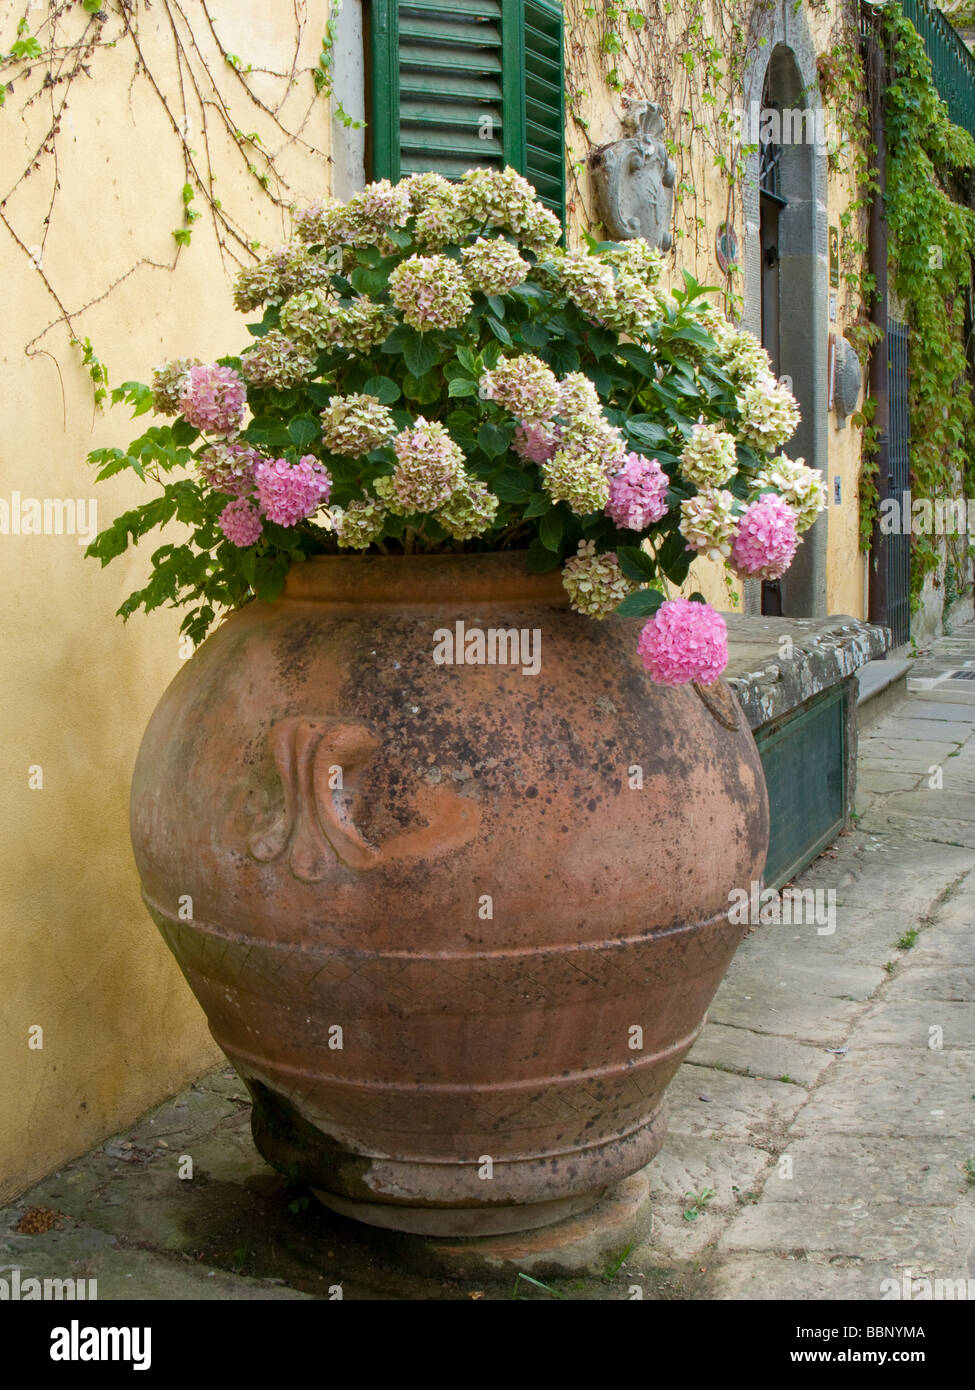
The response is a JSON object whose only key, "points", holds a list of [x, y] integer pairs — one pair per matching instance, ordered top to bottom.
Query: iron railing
{"points": [[953, 66]]}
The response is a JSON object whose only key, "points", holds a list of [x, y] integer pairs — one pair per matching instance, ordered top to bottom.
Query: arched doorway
{"points": [[787, 272]]}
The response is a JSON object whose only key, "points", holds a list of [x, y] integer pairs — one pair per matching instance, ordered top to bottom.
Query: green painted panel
{"points": [[804, 757]]}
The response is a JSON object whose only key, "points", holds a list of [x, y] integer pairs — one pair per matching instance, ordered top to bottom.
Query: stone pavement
{"points": [[822, 1132]]}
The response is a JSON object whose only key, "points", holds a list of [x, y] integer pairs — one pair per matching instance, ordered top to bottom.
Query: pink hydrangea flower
{"points": [[213, 398], [536, 443], [230, 468], [288, 492], [637, 493], [240, 521], [766, 539], [684, 642]]}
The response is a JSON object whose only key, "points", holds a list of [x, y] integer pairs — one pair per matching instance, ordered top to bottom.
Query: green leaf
{"points": [[367, 281], [496, 305], [271, 319], [499, 330], [533, 333], [693, 333], [398, 339], [600, 342], [419, 353], [562, 357], [637, 357], [467, 360], [462, 386], [382, 387], [422, 388], [304, 430], [644, 430], [184, 433], [276, 437], [494, 439], [511, 486], [538, 504], [550, 529], [539, 559], [635, 563], [643, 604]]}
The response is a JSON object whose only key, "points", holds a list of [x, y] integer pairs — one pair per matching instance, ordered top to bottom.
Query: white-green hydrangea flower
{"points": [[354, 424], [709, 458], [708, 524], [595, 583]]}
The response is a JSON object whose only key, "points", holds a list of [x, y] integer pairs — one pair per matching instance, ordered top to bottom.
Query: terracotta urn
{"points": [[450, 877]]}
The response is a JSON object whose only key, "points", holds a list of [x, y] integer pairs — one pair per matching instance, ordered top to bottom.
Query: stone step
{"points": [[883, 684]]}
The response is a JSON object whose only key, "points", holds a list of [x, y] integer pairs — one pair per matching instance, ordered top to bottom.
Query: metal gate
{"points": [[899, 482]]}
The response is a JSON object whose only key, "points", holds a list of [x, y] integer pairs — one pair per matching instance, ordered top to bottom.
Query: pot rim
{"points": [[397, 581]]}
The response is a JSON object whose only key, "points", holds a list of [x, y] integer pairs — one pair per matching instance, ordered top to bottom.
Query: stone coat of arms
{"points": [[634, 179]]}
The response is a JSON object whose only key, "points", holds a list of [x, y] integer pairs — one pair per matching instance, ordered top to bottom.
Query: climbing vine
{"points": [[691, 60], [212, 100], [930, 167]]}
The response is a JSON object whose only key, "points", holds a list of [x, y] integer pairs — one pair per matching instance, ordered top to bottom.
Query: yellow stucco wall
{"points": [[81, 959]]}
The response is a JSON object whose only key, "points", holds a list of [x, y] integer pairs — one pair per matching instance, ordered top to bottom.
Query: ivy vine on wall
{"points": [[930, 167]]}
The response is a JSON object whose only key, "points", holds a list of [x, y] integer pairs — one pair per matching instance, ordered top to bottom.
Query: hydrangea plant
{"points": [[434, 372]]}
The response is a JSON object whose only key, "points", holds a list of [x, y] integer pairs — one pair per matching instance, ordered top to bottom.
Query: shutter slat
{"points": [[475, 9], [432, 29], [469, 59], [474, 90], [441, 113], [445, 142], [427, 164]]}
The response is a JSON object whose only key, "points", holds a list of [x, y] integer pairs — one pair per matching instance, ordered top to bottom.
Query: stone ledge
{"points": [[824, 651]]}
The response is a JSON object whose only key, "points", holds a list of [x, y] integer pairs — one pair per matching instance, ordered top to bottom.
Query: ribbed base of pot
{"points": [[449, 1196], [460, 1221]]}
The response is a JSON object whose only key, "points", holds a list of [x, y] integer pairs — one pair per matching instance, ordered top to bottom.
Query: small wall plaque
{"points": [[726, 247], [834, 257]]}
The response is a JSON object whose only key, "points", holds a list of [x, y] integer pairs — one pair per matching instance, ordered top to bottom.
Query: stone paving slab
{"points": [[914, 708], [900, 728], [886, 780], [863, 936], [811, 1019], [910, 1024], [757, 1054], [895, 1091], [723, 1105], [686, 1167], [830, 1168], [941, 1235], [799, 1276]]}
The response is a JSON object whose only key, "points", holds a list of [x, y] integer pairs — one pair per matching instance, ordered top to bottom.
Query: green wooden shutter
{"points": [[475, 84], [544, 158]]}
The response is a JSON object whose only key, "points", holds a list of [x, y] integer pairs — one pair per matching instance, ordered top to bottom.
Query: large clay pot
{"points": [[451, 944]]}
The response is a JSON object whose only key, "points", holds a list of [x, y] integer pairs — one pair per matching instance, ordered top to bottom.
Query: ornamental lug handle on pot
{"points": [[315, 820]]}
